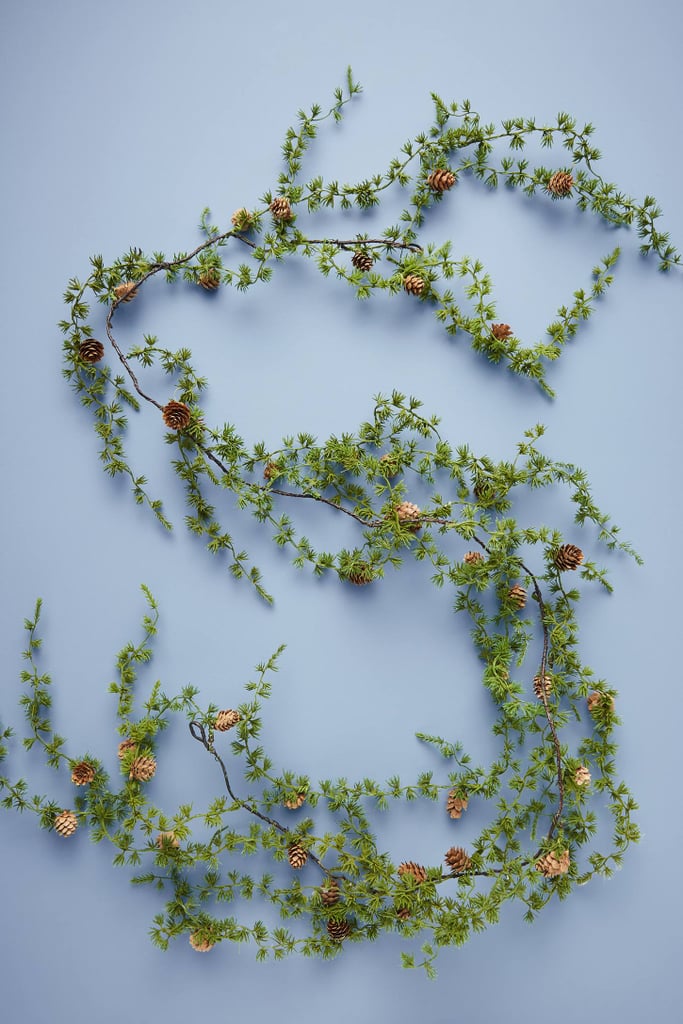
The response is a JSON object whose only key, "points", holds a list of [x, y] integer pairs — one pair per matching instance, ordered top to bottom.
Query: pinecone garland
{"points": [[441, 180], [560, 184], [281, 209], [242, 219], [362, 260], [209, 279], [413, 284], [126, 291], [501, 332], [91, 350], [176, 415], [409, 515], [472, 557], [567, 557], [517, 595], [543, 686], [225, 720], [143, 768], [82, 773], [582, 777], [295, 802], [455, 805], [65, 824], [167, 841], [297, 856], [457, 859], [552, 864], [416, 871], [329, 893], [338, 930], [200, 944]]}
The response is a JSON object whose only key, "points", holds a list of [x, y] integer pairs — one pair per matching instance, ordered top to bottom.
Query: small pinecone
{"points": [[441, 180], [560, 184], [281, 209], [242, 219], [362, 260], [209, 279], [414, 284], [126, 291], [501, 332], [91, 350], [176, 415], [388, 464], [271, 470], [409, 515], [472, 557], [568, 557], [361, 575], [517, 595], [543, 686], [595, 699], [226, 720], [125, 746], [143, 768], [82, 773], [582, 777], [296, 802], [455, 805], [65, 824], [167, 840], [297, 856], [457, 859], [552, 864], [416, 871], [329, 893], [403, 914], [338, 930], [201, 945]]}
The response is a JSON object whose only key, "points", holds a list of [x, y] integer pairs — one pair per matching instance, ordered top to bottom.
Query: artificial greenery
{"points": [[548, 789]]}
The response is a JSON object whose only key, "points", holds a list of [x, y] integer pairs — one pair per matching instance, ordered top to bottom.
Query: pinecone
{"points": [[441, 180], [560, 184], [281, 209], [242, 219], [362, 260], [209, 279], [413, 284], [126, 291], [501, 332], [91, 350], [176, 415], [389, 464], [271, 470], [409, 515], [472, 557], [568, 557], [361, 575], [517, 595], [543, 686], [595, 699], [225, 720], [125, 746], [143, 768], [82, 773], [582, 777], [296, 802], [455, 805], [65, 824], [167, 840], [297, 856], [457, 859], [551, 865], [416, 871], [329, 893], [403, 914], [338, 930], [201, 945]]}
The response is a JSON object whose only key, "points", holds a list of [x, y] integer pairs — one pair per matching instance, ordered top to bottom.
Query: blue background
{"points": [[120, 123]]}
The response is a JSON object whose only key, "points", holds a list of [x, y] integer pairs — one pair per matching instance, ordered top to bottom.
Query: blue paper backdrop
{"points": [[120, 123]]}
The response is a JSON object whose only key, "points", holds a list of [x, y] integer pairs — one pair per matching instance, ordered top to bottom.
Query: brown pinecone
{"points": [[441, 180], [560, 184], [281, 209], [242, 219], [362, 260], [209, 279], [413, 284], [126, 291], [501, 332], [91, 350], [176, 415], [389, 464], [271, 470], [409, 515], [568, 556], [472, 557], [361, 575], [517, 595], [543, 686], [595, 699], [225, 720], [125, 746], [143, 768], [82, 773], [582, 777], [296, 802], [455, 805], [65, 824], [167, 840], [297, 856], [457, 859], [552, 864], [416, 871], [329, 893], [403, 914], [338, 930], [201, 945]]}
